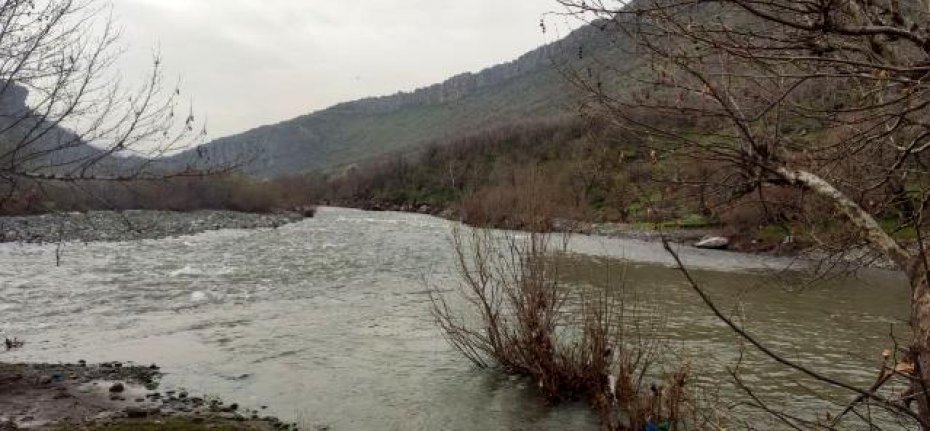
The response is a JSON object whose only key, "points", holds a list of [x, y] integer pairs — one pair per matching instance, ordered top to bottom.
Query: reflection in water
{"points": [[327, 321]]}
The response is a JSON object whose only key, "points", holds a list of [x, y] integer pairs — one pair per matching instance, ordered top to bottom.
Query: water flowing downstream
{"points": [[327, 321]]}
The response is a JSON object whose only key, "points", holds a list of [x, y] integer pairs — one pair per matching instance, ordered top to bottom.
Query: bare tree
{"points": [[825, 96], [66, 116], [513, 309]]}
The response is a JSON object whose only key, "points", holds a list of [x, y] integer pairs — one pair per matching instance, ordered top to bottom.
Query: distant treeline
{"points": [[219, 192]]}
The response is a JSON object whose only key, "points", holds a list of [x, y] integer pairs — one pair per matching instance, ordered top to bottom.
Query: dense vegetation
{"points": [[564, 168], [569, 169], [491, 177]]}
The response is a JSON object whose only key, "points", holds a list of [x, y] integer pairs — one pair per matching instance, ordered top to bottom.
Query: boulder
{"points": [[713, 243]]}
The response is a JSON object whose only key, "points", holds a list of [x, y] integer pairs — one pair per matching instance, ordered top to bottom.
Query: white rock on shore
{"points": [[713, 243]]}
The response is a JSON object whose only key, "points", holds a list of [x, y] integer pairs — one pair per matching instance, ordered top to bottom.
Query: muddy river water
{"points": [[327, 321]]}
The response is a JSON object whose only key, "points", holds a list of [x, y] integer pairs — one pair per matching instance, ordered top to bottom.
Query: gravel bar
{"points": [[130, 225]]}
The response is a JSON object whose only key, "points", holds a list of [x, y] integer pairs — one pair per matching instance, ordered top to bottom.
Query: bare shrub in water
{"points": [[512, 310]]}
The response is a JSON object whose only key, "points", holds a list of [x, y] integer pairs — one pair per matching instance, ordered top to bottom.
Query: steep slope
{"points": [[527, 88], [43, 148]]}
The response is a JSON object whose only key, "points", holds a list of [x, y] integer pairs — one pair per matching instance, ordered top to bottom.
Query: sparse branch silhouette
{"points": [[67, 114]]}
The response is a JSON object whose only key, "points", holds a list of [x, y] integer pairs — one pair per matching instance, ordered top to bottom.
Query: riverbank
{"points": [[132, 225], [611, 230], [775, 246], [822, 259], [111, 396]]}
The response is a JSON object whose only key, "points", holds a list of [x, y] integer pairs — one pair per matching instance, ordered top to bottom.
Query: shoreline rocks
{"points": [[132, 225], [82, 396]]}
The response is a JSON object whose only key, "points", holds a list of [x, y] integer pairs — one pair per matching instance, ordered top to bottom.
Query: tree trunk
{"points": [[871, 230], [915, 267], [920, 347]]}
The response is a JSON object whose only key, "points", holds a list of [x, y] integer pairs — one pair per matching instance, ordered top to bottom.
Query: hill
{"points": [[530, 87], [39, 147], [49, 168]]}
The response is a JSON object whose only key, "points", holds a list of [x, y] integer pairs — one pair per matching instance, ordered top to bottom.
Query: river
{"points": [[327, 321]]}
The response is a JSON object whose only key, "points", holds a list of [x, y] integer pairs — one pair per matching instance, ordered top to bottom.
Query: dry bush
{"points": [[489, 174], [530, 199], [19, 201], [774, 205], [512, 207], [513, 311]]}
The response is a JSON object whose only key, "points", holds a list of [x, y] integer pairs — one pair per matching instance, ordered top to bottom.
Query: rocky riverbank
{"points": [[131, 225], [112, 396]]}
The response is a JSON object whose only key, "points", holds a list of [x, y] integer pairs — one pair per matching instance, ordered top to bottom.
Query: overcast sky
{"points": [[251, 62]]}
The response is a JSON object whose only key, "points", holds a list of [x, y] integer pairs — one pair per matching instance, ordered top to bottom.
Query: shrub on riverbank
{"points": [[513, 311]]}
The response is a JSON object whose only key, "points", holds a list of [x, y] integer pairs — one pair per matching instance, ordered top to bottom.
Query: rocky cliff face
{"points": [[456, 88], [526, 88], [38, 144], [43, 146]]}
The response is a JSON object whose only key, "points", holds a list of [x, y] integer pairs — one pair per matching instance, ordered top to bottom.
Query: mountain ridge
{"points": [[351, 132]]}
